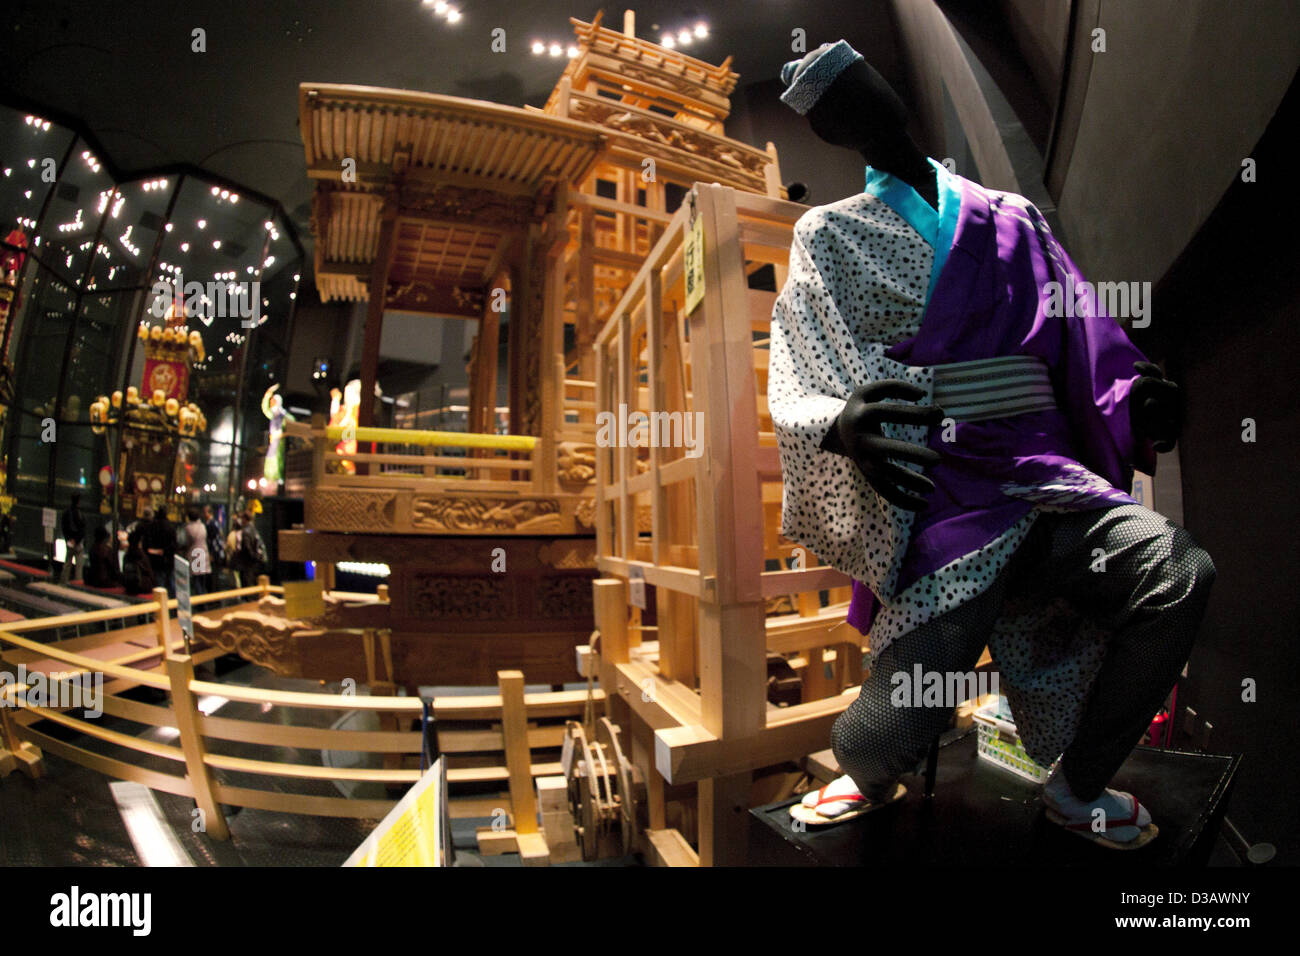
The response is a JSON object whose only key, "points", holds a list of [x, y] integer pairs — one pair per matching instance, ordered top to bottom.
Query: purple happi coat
{"points": [[988, 301]]}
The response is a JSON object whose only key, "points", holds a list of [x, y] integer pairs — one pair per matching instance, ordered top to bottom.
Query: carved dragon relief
{"points": [[697, 143], [482, 207], [423, 295], [576, 462], [445, 513], [256, 637]]}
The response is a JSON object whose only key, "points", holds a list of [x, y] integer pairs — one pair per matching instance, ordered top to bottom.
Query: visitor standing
{"points": [[74, 539], [197, 553]]}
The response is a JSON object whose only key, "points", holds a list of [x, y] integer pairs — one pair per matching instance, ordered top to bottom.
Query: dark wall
{"points": [[1228, 316]]}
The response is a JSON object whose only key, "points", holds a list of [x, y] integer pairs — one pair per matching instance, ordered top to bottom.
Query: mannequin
{"points": [[962, 453]]}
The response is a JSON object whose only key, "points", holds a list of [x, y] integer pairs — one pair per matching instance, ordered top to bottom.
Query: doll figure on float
{"points": [[345, 410], [275, 412]]}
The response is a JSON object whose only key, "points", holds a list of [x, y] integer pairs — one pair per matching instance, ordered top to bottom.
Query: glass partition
{"points": [[96, 254]]}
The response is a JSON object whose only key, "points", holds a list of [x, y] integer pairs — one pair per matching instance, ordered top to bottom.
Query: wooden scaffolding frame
{"points": [[702, 527]]}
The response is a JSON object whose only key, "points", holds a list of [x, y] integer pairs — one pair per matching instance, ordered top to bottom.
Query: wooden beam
{"points": [[689, 753]]}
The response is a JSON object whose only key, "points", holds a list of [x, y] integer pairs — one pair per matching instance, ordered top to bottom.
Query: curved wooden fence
{"points": [[169, 668]]}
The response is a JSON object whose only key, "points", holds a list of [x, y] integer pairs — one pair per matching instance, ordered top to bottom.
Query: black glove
{"points": [[1156, 406], [856, 434]]}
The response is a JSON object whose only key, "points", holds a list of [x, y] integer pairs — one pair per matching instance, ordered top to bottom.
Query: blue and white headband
{"points": [[804, 87]]}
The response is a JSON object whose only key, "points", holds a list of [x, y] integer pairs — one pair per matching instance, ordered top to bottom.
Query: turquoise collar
{"points": [[936, 227]]}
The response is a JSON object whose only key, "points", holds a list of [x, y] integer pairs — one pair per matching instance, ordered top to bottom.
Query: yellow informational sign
{"points": [[694, 264], [303, 599], [412, 833]]}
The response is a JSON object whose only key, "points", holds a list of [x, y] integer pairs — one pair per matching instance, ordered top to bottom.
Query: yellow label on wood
{"points": [[693, 260], [303, 599]]}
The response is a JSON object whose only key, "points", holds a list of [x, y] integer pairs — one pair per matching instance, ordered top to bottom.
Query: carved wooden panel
{"points": [[351, 510], [448, 513], [436, 596], [260, 638]]}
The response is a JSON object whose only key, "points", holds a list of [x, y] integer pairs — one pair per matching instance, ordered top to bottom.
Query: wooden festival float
{"points": [[452, 207], [679, 731]]}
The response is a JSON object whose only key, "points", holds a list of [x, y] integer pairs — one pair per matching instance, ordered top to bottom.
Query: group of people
{"points": [[151, 544]]}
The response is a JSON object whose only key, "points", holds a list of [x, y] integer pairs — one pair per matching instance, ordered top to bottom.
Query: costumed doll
{"points": [[345, 407], [275, 412], [960, 449]]}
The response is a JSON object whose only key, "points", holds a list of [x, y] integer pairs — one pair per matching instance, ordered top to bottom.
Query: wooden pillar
{"points": [[374, 328], [515, 339], [485, 364], [319, 446], [610, 601], [732, 628], [519, 765]]}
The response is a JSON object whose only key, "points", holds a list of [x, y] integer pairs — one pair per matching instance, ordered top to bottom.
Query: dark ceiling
{"points": [[128, 72]]}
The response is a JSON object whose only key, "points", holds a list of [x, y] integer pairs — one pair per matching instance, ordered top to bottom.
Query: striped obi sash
{"points": [[993, 388]]}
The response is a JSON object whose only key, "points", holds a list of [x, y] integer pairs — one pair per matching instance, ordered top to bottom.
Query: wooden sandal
{"points": [[810, 817], [1145, 835]]}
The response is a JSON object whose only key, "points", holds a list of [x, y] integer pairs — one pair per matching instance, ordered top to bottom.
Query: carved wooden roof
{"points": [[465, 176]]}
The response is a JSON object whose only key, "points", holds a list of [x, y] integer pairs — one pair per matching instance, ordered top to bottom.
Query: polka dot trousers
{"points": [[1126, 569]]}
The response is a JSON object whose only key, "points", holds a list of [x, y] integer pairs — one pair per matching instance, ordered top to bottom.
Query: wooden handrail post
{"points": [[264, 583], [381, 592], [610, 598], [160, 621], [180, 671], [519, 760]]}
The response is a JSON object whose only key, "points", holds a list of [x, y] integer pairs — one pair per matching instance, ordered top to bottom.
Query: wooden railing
{"points": [[489, 462], [197, 767]]}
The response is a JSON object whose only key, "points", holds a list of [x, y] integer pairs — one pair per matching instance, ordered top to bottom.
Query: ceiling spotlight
{"points": [[440, 6], [453, 16], [701, 30], [684, 38], [668, 41], [538, 47], [556, 49], [572, 51], [216, 190], [202, 224], [216, 243]]}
